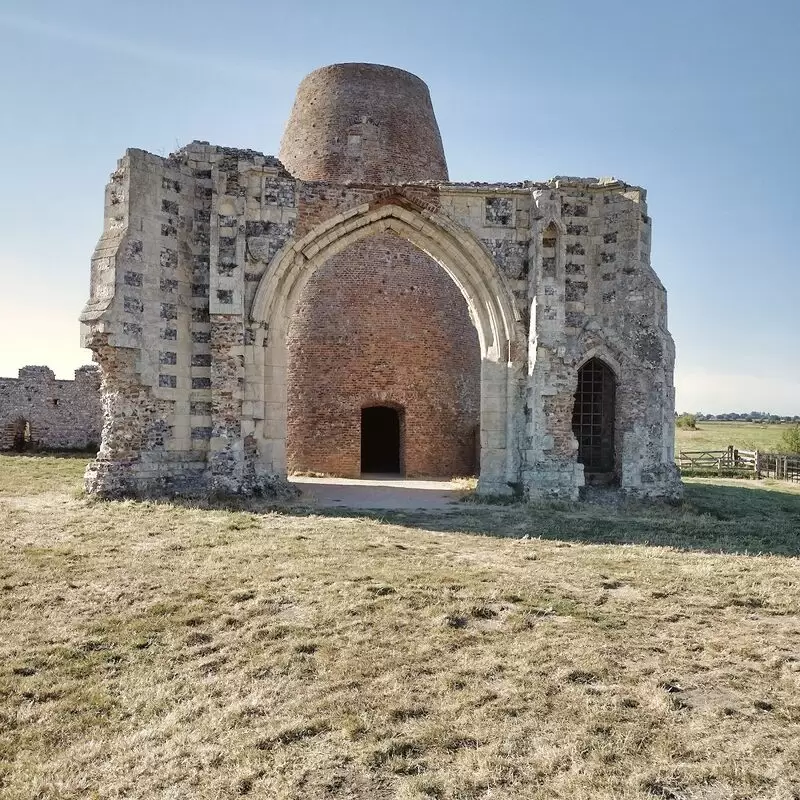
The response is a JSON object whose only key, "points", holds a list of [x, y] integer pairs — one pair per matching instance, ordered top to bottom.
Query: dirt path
{"points": [[377, 492]]}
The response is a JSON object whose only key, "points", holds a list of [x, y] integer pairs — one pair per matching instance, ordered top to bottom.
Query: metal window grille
{"points": [[593, 416]]}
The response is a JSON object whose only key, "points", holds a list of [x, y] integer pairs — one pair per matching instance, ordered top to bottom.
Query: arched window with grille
{"points": [[593, 421]]}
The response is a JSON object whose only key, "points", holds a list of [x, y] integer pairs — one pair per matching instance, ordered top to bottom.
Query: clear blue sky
{"points": [[698, 101]]}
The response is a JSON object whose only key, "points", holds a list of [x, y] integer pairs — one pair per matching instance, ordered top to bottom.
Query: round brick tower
{"points": [[363, 123], [384, 362]]}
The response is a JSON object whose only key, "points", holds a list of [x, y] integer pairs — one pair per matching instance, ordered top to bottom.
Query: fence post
{"points": [[756, 465]]}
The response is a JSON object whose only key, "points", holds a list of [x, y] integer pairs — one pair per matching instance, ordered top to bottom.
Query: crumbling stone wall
{"points": [[206, 254], [595, 294], [166, 328], [50, 414]]}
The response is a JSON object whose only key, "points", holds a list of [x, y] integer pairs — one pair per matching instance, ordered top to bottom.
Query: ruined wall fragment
{"points": [[39, 411]]}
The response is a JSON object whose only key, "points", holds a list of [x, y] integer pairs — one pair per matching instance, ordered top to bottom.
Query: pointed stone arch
{"points": [[551, 237], [455, 249], [464, 259], [604, 354]]}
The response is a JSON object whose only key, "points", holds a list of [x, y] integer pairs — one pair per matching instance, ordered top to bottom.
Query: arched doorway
{"points": [[463, 258], [382, 324], [593, 422], [21, 435], [381, 440]]}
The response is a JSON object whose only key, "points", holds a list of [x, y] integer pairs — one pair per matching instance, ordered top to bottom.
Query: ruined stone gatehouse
{"points": [[346, 309], [38, 411]]}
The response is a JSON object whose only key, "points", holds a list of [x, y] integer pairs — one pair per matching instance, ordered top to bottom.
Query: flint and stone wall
{"points": [[212, 310], [166, 318], [189, 393], [59, 414]]}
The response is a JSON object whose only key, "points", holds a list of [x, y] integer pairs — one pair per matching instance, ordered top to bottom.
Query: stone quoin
{"points": [[345, 308]]}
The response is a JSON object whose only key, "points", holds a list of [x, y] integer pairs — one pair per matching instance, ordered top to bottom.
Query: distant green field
{"points": [[718, 435]]}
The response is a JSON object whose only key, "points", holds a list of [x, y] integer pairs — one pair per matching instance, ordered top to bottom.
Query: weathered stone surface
{"points": [[207, 255], [38, 411]]}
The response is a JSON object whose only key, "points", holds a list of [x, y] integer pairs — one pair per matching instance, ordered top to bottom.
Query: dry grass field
{"points": [[718, 435], [155, 650]]}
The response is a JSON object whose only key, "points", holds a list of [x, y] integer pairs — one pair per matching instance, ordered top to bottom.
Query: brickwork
{"points": [[364, 123], [206, 256], [406, 341], [38, 411]]}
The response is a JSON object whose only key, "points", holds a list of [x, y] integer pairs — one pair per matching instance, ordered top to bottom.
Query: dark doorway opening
{"points": [[593, 421], [21, 432], [380, 440]]}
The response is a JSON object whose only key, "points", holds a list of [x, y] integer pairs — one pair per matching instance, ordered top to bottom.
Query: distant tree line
{"points": [[732, 416]]}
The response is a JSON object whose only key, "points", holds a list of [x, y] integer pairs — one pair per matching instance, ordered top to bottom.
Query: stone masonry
{"points": [[215, 261], [38, 411]]}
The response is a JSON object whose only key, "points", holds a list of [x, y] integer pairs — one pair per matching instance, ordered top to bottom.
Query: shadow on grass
{"points": [[714, 518], [749, 518]]}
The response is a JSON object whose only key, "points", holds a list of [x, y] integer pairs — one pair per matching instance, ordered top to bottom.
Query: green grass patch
{"points": [[719, 435], [36, 474]]}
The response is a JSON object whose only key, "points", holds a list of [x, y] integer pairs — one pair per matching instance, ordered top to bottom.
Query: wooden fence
{"points": [[764, 465]]}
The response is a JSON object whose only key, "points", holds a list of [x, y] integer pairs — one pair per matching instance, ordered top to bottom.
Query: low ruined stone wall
{"points": [[38, 411]]}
